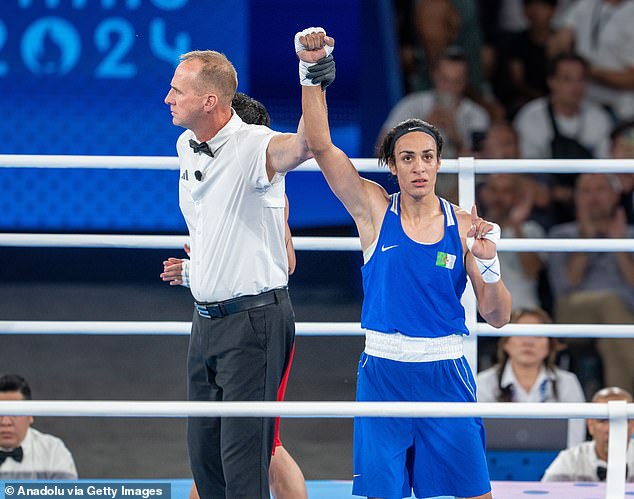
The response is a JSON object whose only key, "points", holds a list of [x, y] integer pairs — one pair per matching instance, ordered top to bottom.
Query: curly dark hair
{"points": [[251, 111]]}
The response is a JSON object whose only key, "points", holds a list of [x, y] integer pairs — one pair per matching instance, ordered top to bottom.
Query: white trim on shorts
{"points": [[397, 346], [465, 381]]}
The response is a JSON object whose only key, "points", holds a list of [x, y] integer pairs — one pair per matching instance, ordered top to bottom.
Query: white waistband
{"points": [[397, 346]]}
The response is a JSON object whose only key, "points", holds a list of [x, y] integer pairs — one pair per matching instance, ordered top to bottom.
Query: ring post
{"points": [[466, 199], [617, 448]]}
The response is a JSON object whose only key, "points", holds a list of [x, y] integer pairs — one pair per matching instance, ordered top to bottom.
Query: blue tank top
{"points": [[414, 288]]}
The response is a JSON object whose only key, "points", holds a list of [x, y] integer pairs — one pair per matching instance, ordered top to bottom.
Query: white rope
{"points": [[107, 162], [140, 162], [369, 165], [554, 165], [155, 242], [300, 243], [566, 245], [95, 327], [306, 329], [557, 330], [119, 408]]}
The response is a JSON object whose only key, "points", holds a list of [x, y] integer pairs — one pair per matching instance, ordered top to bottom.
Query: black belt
{"points": [[235, 305]]}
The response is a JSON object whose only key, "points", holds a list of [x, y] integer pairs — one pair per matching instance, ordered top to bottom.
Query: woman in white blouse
{"points": [[526, 372]]}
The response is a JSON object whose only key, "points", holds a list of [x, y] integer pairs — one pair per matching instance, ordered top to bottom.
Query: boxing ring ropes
{"points": [[617, 412]]}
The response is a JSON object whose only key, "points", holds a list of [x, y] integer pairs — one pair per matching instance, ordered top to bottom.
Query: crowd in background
{"points": [[538, 79]]}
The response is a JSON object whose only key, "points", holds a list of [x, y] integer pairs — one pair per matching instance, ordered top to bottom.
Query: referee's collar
{"points": [[225, 133]]}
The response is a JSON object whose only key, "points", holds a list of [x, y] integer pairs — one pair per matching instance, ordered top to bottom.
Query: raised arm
{"points": [[342, 176], [364, 200]]}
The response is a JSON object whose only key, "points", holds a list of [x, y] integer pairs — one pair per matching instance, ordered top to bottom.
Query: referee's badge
{"points": [[446, 260]]}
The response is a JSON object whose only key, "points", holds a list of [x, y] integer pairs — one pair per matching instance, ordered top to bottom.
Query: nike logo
{"points": [[385, 248], [354, 476]]}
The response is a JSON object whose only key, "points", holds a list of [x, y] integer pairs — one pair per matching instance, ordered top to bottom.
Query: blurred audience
{"points": [[511, 15], [438, 25], [601, 31], [410, 51], [527, 52], [461, 121], [564, 124], [500, 142], [622, 147], [507, 199], [597, 288], [526, 372], [26, 453], [588, 461]]}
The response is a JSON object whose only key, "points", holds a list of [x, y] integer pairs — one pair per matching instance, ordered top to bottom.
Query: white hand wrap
{"points": [[303, 66], [489, 268], [185, 272]]}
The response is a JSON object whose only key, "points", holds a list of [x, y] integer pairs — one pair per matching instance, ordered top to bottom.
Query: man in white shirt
{"points": [[565, 112], [232, 197], [26, 453], [587, 462], [285, 477]]}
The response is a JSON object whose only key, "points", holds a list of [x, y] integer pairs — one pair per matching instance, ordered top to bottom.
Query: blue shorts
{"points": [[432, 456]]}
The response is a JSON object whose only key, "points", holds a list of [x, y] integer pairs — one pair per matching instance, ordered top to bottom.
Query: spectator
{"points": [[512, 17], [503, 22], [439, 25], [601, 32], [409, 49], [527, 53], [459, 118], [564, 124], [500, 142], [622, 147], [508, 199], [597, 288], [526, 372], [26, 453], [588, 461]]}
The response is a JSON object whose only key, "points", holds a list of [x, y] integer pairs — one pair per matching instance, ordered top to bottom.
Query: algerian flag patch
{"points": [[446, 260]]}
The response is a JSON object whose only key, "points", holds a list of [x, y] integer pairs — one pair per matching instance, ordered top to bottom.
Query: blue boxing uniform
{"points": [[414, 325]]}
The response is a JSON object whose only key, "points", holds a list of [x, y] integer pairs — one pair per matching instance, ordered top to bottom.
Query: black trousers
{"points": [[239, 357]]}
